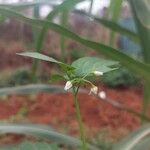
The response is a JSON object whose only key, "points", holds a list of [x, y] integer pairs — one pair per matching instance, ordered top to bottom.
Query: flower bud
{"points": [[98, 73], [68, 85], [94, 90], [102, 94]]}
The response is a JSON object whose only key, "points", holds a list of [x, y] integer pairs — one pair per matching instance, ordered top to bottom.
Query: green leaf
{"points": [[24, 5], [114, 9], [142, 9], [114, 12], [141, 12], [64, 23], [113, 26], [143, 30], [39, 56], [88, 65], [42, 132], [135, 138], [144, 144], [30, 146], [36, 146]]}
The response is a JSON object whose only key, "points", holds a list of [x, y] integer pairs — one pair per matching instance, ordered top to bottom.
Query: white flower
{"points": [[98, 73], [68, 85], [94, 90], [102, 94]]}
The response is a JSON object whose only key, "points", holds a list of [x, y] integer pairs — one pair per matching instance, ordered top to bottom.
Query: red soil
{"points": [[57, 110]]}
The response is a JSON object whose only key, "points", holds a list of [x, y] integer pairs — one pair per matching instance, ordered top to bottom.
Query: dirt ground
{"points": [[57, 110]]}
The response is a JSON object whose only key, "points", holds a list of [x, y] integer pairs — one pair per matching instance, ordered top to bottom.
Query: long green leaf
{"points": [[24, 5], [91, 6], [114, 12], [143, 14], [64, 23], [113, 26], [144, 34], [38, 56], [140, 68], [29, 89], [41, 132], [133, 139], [143, 144], [30, 146]]}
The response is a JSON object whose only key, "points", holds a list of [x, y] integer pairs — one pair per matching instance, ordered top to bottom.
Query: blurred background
{"points": [[102, 121]]}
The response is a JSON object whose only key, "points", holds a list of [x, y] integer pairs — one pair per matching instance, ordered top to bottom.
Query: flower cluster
{"points": [[93, 90]]}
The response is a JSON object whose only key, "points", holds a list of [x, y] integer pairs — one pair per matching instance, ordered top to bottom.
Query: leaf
{"points": [[24, 5], [114, 9], [114, 12], [143, 14], [113, 26], [144, 32], [38, 56], [88, 65], [133, 65], [32, 88], [42, 132], [134, 139], [144, 144], [30, 146], [36, 146]]}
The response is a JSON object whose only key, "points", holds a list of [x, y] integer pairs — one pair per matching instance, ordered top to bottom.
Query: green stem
{"points": [[91, 7], [79, 119]]}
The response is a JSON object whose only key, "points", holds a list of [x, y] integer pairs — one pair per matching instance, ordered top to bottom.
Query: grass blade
{"points": [[24, 5], [114, 13], [64, 22], [113, 26], [144, 34], [38, 56], [30, 89], [42, 132], [133, 139]]}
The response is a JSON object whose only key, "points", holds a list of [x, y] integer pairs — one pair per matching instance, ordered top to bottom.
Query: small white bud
{"points": [[98, 73], [68, 85], [94, 90], [102, 94]]}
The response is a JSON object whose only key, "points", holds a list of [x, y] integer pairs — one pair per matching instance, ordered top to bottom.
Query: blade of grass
{"points": [[24, 5], [91, 6], [114, 12], [64, 22], [113, 26], [144, 34], [32, 88], [42, 132], [133, 139]]}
